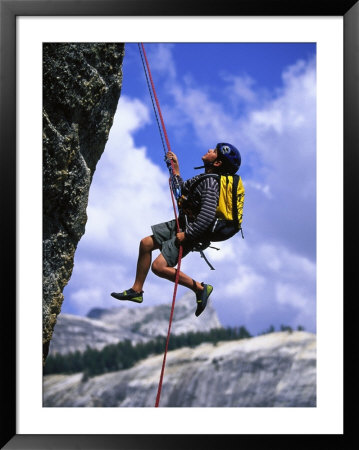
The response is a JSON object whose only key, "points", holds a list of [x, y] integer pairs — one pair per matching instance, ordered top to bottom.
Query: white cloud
{"points": [[161, 60], [240, 89], [294, 106], [206, 116], [282, 136], [263, 188], [130, 192], [225, 253], [263, 280], [247, 281], [288, 294], [87, 298]]}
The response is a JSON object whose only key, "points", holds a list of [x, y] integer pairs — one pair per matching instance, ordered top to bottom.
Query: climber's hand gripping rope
{"points": [[172, 164]]}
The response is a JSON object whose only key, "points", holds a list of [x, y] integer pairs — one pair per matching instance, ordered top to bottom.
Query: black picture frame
{"points": [[9, 10]]}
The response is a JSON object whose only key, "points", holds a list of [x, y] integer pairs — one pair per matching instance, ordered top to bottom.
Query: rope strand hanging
{"points": [[170, 166]]}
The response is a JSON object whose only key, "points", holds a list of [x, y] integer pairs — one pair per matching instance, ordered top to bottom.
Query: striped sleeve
{"points": [[208, 191]]}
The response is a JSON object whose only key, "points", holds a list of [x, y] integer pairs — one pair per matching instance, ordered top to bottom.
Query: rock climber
{"points": [[198, 224]]}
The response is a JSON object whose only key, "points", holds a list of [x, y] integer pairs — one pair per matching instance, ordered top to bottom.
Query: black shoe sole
{"points": [[127, 298], [202, 306]]}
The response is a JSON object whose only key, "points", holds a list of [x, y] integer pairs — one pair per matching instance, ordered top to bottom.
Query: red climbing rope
{"points": [[177, 223], [169, 327]]}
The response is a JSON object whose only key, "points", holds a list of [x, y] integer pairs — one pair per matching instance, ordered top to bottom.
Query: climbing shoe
{"points": [[130, 294], [202, 298]]}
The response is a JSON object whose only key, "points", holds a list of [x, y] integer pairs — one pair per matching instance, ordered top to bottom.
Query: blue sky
{"points": [[261, 98]]}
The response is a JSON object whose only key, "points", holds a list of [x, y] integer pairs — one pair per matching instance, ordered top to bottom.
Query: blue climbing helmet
{"points": [[230, 157]]}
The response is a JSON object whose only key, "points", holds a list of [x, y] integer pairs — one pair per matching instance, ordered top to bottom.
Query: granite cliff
{"points": [[81, 89], [273, 370]]}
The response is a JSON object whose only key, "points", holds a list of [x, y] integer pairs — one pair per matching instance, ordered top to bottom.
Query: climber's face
{"points": [[210, 156], [211, 160]]}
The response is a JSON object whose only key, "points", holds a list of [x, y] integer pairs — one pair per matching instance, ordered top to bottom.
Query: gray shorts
{"points": [[165, 235]]}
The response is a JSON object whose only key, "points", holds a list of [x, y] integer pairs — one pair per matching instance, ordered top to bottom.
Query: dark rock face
{"points": [[81, 89]]}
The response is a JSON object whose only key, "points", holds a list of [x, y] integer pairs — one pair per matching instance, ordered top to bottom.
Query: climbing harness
{"points": [[175, 194], [201, 246]]}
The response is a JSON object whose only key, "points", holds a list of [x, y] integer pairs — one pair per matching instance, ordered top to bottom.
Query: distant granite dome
{"points": [[81, 89], [95, 313], [139, 324], [273, 370]]}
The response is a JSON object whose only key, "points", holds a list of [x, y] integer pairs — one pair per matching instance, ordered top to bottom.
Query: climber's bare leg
{"points": [[147, 245], [161, 268]]}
